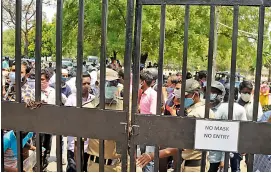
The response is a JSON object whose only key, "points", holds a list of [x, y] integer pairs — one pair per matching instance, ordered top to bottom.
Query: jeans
{"points": [[235, 162], [149, 167], [214, 167]]}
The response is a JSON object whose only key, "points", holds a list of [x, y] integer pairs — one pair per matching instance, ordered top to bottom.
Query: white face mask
{"points": [[245, 97]]}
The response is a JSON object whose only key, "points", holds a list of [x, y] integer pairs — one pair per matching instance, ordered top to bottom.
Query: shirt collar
{"points": [[147, 91], [201, 103]]}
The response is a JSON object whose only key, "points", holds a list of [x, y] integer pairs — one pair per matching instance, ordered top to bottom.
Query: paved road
{"points": [[52, 165]]}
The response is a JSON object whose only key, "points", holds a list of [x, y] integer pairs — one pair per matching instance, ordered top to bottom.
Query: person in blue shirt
{"points": [[10, 149]]}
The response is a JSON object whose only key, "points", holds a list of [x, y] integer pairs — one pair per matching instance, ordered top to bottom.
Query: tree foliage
{"points": [[198, 42]]}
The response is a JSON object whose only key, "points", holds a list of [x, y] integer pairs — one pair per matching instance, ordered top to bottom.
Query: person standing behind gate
{"points": [[246, 100], [72, 101], [147, 106], [195, 108], [112, 158], [216, 158]]}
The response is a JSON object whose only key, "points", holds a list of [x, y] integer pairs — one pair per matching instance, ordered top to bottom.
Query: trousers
{"points": [[94, 167]]}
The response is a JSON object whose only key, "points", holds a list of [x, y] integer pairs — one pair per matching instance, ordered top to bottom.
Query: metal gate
{"points": [[104, 124]]}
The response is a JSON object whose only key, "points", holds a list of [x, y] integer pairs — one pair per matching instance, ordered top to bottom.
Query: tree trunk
{"points": [[26, 44], [214, 68]]}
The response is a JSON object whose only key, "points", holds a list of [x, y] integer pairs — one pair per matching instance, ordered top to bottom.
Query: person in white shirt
{"points": [[48, 96], [246, 100], [72, 101], [216, 158]]}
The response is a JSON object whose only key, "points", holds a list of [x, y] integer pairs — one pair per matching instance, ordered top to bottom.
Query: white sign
{"points": [[216, 135]]}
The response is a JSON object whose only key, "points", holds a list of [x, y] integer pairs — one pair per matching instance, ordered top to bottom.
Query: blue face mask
{"points": [[12, 77], [63, 79], [170, 90], [110, 91], [188, 102]]}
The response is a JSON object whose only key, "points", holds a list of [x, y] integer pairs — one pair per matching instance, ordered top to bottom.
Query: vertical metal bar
{"points": [[80, 48], [2, 49], [59, 50], [18, 51], [103, 52], [136, 61], [184, 71], [58, 75], [102, 75], [127, 75], [38, 76], [160, 76], [209, 76], [257, 76], [232, 77], [18, 78], [2, 150], [19, 151], [39, 152], [59, 153], [101, 155]]}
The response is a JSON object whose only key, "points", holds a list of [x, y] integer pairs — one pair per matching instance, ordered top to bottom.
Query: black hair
{"points": [[84, 62], [28, 68], [46, 73], [85, 74], [121, 74], [178, 74], [189, 75], [147, 77], [174, 79], [245, 84]]}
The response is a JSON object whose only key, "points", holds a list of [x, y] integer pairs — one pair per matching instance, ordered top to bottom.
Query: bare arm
{"points": [[145, 158]]}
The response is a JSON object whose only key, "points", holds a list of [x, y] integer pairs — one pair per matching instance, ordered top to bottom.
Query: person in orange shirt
{"points": [[264, 94]]}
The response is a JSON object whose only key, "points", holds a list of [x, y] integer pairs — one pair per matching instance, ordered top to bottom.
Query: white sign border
{"points": [[195, 134]]}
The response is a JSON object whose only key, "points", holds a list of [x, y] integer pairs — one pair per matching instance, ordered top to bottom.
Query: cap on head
{"points": [[64, 71], [110, 75], [191, 86], [219, 86], [178, 93]]}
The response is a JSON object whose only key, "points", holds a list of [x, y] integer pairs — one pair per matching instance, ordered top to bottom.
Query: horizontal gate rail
{"points": [[208, 2], [57, 120], [178, 132]]}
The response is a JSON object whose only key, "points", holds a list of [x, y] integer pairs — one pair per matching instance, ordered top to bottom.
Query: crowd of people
{"points": [[147, 102]]}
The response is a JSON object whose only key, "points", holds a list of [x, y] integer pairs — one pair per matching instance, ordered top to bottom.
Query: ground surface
{"points": [[52, 160]]}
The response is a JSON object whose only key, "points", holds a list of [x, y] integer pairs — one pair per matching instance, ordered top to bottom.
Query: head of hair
{"points": [[28, 68], [46, 73], [85, 74], [121, 74], [189, 75], [147, 77], [174, 79], [245, 84]]}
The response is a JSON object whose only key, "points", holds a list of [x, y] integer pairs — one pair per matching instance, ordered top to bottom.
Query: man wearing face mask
{"points": [[65, 89], [27, 92], [48, 97], [246, 100], [72, 101], [113, 102], [195, 108], [216, 158]]}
